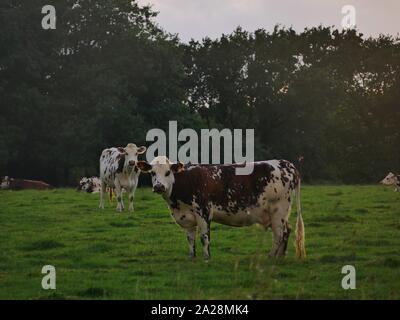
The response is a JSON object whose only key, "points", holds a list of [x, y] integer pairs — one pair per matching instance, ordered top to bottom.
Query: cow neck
{"points": [[178, 193], [172, 199]]}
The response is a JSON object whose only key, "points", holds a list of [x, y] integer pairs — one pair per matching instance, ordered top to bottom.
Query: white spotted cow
{"points": [[118, 170], [392, 180], [90, 185], [199, 194]]}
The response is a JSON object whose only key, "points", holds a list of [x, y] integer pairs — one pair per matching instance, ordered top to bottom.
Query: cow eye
{"points": [[167, 173]]}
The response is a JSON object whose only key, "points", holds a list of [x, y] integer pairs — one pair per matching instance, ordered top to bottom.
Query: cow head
{"points": [[132, 152], [162, 173], [389, 180], [5, 182], [84, 184]]}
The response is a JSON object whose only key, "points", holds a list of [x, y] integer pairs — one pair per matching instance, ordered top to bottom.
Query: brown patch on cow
{"points": [[122, 150], [121, 162], [244, 190]]}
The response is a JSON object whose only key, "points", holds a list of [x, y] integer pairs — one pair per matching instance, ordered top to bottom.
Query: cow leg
{"points": [[118, 191], [131, 192], [102, 194], [204, 226], [280, 229], [191, 238], [285, 238]]}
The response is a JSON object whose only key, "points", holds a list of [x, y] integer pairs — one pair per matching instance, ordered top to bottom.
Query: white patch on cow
{"points": [[185, 215]]}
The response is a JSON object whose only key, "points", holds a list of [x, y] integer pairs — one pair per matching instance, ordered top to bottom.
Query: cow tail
{"points": [[300, 241]]}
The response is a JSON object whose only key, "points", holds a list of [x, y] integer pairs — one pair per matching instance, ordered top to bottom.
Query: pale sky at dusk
{"points": [[199, 18]]}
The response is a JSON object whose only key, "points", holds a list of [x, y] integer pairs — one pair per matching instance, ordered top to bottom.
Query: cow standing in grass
{"points": [[118, 170], [392, 180], [199, 194]]}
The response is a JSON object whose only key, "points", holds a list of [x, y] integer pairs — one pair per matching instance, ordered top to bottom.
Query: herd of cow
{"points": [[198, 194]]}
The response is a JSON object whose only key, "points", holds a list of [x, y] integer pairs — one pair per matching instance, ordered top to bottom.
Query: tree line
{"points": [[108, 73]]}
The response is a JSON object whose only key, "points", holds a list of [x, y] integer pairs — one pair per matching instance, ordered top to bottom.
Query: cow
{"points": [[118, 170], [392, 180], [21, 184], [90, 185], [199, 194]]}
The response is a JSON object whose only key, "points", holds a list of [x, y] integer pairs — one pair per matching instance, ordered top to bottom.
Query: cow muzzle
{"points": [[132, 162], [159, 188]]}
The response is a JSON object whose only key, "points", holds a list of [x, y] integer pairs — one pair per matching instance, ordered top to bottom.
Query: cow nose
{"points": [[131, 162], [159, 188]]}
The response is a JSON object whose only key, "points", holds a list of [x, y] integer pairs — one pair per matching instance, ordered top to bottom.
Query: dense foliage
{"points": [[108, 74]]}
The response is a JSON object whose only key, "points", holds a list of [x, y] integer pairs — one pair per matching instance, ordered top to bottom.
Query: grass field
{"points": [[143, 255]]}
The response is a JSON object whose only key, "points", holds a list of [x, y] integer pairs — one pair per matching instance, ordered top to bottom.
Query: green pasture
{"points": [[144, 255]]}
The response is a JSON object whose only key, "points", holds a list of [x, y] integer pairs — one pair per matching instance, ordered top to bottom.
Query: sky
{"points": [[200, 18]]}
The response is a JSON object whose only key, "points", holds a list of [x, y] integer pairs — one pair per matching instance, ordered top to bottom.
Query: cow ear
{"points": [[141, 150], [144, 166], [177, 167]]}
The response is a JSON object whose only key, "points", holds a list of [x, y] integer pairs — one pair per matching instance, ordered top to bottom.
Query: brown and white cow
{"points": [[118, 170], [392, 180], [21, 184], [199, 194]]}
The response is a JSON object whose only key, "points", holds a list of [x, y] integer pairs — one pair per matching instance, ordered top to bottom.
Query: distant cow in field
{"points": [[118, 169], [392, 180], [21, 184], [90, 185], [199, 194]]}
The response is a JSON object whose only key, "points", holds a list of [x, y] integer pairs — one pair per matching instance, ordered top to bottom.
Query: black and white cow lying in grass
{"points": [[118, 170], [392, 180], [90, 185], [199, 194]]}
